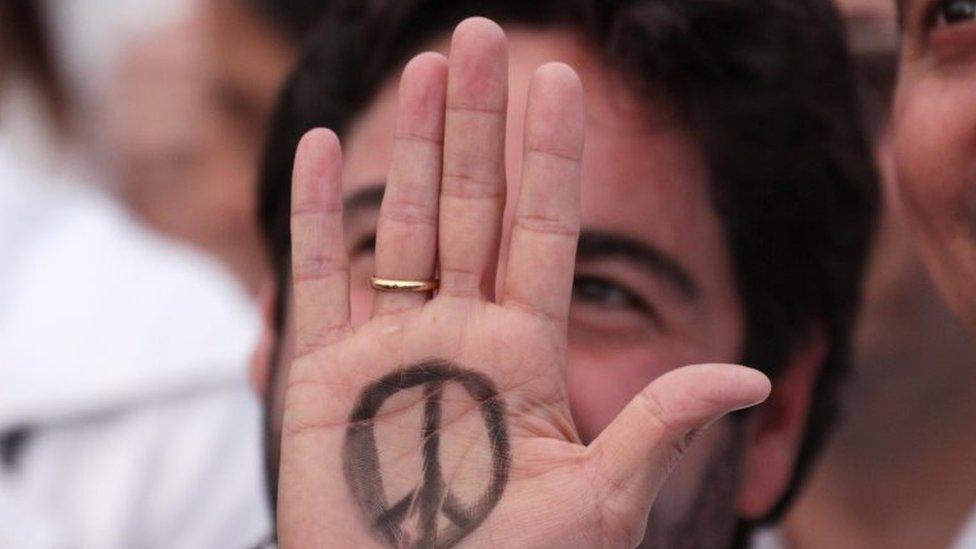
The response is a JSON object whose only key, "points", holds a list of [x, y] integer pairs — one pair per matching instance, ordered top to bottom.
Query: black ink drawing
{"points": [[432, 497]]}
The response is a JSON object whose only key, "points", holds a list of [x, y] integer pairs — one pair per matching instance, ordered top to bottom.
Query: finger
{"points": [[473, 180], [406, 234], [542, 254], [320, 263], [634, 454]]}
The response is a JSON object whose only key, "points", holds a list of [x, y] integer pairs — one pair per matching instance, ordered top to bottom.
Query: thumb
{"points": [[633, 456]]}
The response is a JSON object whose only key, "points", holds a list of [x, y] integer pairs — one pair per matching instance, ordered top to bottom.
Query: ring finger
{"points": [[406, 234]]}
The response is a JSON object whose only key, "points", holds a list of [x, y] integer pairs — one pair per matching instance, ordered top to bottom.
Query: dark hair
{"points": [[296, 19], [26, 47], [764, 85]]}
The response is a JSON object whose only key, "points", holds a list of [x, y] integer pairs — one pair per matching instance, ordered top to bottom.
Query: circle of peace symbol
{"points": [[432, 497]]}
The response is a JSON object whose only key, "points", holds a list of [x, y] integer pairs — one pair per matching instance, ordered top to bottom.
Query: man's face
{"points": [[935, 141], [654, 288]]}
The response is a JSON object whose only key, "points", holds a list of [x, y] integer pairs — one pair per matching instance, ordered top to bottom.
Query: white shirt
{"points": [[123, 357], [771, 538], [967, 538]]}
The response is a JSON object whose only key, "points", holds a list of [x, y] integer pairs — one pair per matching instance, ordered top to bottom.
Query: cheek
{"points": [[935, 148], [602, 378], [601, 383]]}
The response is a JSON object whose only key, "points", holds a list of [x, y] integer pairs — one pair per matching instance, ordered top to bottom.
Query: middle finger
{"points": [[473, 181]]}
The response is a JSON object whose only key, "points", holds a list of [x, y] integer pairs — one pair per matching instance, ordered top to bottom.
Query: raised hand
{"points": [[444, 419]]}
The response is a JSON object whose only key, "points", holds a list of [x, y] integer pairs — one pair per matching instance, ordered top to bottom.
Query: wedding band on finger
{"points": [[410, 286]]}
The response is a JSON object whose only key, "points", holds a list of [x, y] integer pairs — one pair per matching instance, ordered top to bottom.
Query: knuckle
{"points": [[476, 109], [420, 138], [555, 153], [464, 185], [315, 211], [409, 213], [547, 225], [319, 266], [459, 281], [521, 304], [313, 340], [310, 341], [655, 410], [300, 420], [679, 439]]}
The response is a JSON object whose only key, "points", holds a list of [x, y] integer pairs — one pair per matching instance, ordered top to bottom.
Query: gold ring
{"points": [[392, 285]]}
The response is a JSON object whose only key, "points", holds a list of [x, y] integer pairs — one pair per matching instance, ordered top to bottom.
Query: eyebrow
{"points": [[593, 245], [602, 245]]}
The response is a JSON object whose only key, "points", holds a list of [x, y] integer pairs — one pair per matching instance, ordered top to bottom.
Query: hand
{"points": [[445, 420]]}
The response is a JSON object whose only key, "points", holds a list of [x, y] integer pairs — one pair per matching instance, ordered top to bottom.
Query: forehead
{"points": [[881, 9], [643, 172]]}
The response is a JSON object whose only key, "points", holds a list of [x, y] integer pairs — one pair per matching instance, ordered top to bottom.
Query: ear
{"points": [[260, 367], [777, 427]]}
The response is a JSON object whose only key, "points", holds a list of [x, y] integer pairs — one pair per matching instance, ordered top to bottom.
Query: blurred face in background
{"points": [[251, 58], [191, 102], [935, 141], [910, 354]]}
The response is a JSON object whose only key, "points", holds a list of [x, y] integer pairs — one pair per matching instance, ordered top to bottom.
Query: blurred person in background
{"points": [[186, 114], [698, 115], [934, 127], [125, 418], [899, 473]]}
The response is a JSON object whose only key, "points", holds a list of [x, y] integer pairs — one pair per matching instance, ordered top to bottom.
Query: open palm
{"points": [[445, 419]]}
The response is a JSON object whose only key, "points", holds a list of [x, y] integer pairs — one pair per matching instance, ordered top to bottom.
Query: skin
{"points": [[250, 60], [935, 145], [578, 436]]}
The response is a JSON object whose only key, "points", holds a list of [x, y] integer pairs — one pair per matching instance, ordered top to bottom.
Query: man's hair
{"points": [[295, 19], [766, 89]]}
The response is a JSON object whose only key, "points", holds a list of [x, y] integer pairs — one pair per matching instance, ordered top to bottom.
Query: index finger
{"points": [[320, 263]]}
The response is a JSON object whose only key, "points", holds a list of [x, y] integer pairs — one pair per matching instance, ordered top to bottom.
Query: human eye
{"points": [[952, 12], [942, 29], [603, 292], [602, 295], [607, 308]]}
